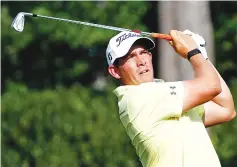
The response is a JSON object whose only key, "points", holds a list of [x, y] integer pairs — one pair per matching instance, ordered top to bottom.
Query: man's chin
{"points": [[147, 79]]}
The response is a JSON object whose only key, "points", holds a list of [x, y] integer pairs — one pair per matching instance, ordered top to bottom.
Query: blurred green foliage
{"points": [[225, 37], [49, 52], [52, 115], [62, 127]]}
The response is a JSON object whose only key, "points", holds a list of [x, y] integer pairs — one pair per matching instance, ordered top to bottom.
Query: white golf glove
{"points": [[199, 41]]}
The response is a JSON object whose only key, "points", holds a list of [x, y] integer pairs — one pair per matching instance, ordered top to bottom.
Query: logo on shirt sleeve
{"points": [[173, 90]]}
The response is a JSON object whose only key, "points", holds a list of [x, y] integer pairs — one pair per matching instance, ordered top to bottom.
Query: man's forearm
{"points": [[205, 73], [204, 87], [225, 98]]}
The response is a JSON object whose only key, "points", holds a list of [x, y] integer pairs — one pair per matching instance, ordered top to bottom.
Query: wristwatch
{"points": [[193, 52]]}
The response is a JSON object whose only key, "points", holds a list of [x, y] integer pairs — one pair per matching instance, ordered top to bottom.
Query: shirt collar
{"points": [[122, 89]]}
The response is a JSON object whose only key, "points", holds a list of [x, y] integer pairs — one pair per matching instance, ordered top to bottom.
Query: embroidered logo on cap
{"points": [[125, 36], [109, 57]]}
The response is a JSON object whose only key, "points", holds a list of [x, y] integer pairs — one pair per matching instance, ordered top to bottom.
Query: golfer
{"points": [[166, 120]]}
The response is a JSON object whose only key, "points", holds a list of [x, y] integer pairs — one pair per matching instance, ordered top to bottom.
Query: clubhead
{"points": [[18, 22]]}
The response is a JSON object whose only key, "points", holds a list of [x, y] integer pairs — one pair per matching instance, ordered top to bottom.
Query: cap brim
{"points": [[146, 42]]}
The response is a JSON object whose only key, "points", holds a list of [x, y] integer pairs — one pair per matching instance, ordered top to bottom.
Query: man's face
{"points": [[136, 67]]}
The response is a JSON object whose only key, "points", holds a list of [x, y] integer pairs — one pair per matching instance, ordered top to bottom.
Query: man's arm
{"points": [[206, 84], [204, 87], [221, 108]]}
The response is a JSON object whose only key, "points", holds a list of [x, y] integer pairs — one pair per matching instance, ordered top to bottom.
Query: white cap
{"points": [[120, 44]]}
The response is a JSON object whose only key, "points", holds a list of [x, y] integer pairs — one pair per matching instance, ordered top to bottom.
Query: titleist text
{"points": [[123, 37]]}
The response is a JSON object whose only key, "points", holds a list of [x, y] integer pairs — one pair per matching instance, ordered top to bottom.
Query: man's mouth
{"points": [[143, 72]]}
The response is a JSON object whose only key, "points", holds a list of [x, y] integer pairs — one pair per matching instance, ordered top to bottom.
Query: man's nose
{"points": [[140, 60]]}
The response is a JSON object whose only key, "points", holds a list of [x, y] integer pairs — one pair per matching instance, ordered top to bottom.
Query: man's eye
{"points": [[145, 52]]}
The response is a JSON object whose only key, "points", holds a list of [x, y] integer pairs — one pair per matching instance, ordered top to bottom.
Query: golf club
{"points": [[19, 21]]}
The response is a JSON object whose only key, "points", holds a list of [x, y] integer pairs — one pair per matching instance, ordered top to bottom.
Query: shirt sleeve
{"points": [[155, 101]]}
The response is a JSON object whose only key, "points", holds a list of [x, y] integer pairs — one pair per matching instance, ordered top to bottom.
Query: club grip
{"points": [[162, 36]]}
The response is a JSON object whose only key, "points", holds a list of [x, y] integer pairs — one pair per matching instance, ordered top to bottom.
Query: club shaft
{"points": [[79, 22], [154, 35]]}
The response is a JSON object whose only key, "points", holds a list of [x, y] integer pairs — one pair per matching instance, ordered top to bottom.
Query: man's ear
{"points": [[114, 71]]}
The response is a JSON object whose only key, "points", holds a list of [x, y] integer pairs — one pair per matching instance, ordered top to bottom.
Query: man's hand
{"points": [[182, 43], [201, 43]]}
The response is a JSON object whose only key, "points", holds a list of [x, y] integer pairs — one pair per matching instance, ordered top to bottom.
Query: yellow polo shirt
{"points": [[162, 135]]}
